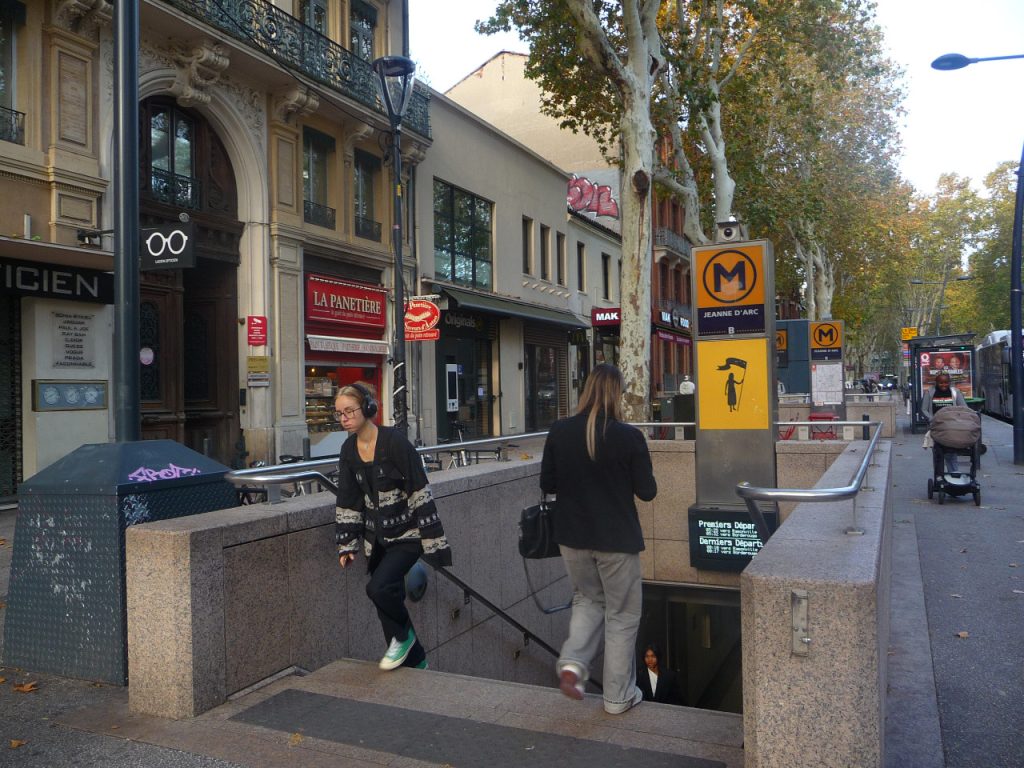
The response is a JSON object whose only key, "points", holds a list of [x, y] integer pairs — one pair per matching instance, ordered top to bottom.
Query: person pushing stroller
{"points": [[939, 396]]}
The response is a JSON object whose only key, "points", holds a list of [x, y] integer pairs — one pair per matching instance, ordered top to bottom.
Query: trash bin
{"points": [[685, 409], [664, 411], [66, 611]]}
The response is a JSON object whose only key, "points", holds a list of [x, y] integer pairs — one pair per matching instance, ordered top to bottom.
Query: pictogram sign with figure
{"points": [[733, 388]]}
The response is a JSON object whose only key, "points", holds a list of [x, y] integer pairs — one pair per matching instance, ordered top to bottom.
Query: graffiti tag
{"points": [[584, 195], [170, 472]]}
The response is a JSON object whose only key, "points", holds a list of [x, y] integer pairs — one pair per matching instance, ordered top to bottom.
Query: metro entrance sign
{"points": [[730, 285]]}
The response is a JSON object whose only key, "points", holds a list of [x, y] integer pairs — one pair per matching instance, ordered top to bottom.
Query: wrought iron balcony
{"points": [[291, 43], [12, 126], [174, 189], [317, 214], [367, 229], [666, 238]]}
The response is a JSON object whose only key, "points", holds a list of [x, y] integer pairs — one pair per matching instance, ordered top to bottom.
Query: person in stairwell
{"points": [[596, 464], [385, 500]]}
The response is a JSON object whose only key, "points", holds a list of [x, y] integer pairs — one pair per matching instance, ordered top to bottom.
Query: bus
{"points": [[994, 374]]}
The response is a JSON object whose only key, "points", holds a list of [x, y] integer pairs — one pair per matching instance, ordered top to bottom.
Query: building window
{"points": [[314, 15], [362, 23], [12, 122], [172, 140], [317, 149], [366, 172], [462, 236], [527, 245], [545, 252], [560, 258], [581, 267], [606, 276], [663, 289]]}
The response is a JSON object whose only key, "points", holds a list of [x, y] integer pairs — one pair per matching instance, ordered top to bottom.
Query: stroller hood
{"points": [[956, 427]]}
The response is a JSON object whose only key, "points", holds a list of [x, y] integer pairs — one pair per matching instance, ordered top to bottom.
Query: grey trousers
{"points": [[607, 601]]}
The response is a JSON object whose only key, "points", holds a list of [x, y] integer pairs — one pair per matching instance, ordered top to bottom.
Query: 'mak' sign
{"points": [[730, 291]]}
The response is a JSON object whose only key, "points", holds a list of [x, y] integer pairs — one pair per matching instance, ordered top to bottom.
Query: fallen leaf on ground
{"points": [[2, 541], [963, 550], [1015, 565], [1018, 591], [955, 595], [963, 635], [30, 687], [115, 727], [295, 739], [15, 743]]}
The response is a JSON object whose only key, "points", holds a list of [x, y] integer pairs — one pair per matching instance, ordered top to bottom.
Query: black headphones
{"points": [[369, 405]]}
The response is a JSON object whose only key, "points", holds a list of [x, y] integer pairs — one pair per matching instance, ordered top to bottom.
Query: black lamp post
{"points": [[958, 61], [396, 79]]}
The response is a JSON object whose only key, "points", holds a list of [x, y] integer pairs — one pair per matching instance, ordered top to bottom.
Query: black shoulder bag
{"points": [[537, 542]]}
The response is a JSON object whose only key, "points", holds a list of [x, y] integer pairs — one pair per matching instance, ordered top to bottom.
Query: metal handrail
{"points": [[753, 494]]}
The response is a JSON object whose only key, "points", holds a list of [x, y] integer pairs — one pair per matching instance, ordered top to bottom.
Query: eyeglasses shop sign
{"points": [[170, 246]]}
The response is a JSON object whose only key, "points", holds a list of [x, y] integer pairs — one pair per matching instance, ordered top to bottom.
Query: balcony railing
{"points": [[291, 43], [12, 126], [174, 189], [317, 214], [368, 229], [668, 239]]}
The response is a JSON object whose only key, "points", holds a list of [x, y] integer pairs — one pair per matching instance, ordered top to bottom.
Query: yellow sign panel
{"points": [[730, 288], [906, 334], [827, 335], [781, 341], [258, 364], [732, 385]]}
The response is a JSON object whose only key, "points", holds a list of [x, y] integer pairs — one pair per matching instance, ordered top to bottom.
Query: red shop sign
{"points": [[334, 301], [421, 315], [605, 316], [257, 327]]}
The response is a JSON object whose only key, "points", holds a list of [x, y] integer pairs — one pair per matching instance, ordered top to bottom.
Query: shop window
{"points": [[314, 15], [362, 23], [12, 122], [172, 142], [317, 149], [365, 175], [462, 237], [527, 245], [545, 252], [560, 258], [581, 267], [606, 276]]}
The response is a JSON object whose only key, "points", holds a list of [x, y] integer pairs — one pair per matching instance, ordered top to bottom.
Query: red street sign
{"points": [[420, 315], [257, 326], [432, 334]]}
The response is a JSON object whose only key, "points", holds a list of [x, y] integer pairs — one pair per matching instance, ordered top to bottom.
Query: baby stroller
{"points": [[955, 430]]}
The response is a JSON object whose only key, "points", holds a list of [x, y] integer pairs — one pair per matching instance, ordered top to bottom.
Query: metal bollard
{"points": [[865, 431], [206, 446], [305, 448]]}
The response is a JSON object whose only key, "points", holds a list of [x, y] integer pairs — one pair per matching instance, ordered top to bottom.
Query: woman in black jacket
{"points": [[596, 464], [384, 498], [657, 682]]}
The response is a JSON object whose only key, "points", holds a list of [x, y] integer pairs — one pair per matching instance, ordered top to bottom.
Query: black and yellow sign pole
{"points": [[737, 403]]}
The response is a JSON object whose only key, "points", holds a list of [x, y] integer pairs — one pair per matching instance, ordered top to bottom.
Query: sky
{"points": [[965, 121]]}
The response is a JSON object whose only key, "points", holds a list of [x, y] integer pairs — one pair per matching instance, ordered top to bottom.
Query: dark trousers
{"points": [[386, 589]]}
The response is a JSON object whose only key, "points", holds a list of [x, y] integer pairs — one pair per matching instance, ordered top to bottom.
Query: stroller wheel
{"points": [[931, 487], [977, 498]]}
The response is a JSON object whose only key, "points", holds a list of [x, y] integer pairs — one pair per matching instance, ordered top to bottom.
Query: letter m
{"points": [[738, 272], [826, 335]]}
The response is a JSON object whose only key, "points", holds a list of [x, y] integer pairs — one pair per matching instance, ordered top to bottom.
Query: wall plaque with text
{"points": [[74, 339]]}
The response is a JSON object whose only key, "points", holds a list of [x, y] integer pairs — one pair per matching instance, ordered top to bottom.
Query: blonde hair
{"points": [[358, 392], [602, 394]]}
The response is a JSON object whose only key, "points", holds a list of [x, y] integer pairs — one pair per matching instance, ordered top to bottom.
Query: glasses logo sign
{"points": [[168, 247], [730, 290]]}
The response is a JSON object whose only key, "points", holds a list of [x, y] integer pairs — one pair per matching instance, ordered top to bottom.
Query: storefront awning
{"points": [[508, 308], [346, 344]]}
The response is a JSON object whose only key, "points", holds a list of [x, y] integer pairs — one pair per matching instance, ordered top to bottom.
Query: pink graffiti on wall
{"points": [[584, 195]]}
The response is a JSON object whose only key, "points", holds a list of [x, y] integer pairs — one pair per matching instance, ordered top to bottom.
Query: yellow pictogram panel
{"points": [[908, 333], [732, 384]]}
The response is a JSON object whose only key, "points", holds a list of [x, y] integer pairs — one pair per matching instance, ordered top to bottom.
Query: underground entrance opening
{"points": [[697, 631]]}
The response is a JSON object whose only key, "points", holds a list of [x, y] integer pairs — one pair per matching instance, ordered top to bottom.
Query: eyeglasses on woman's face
{"points": [[346, 413]]}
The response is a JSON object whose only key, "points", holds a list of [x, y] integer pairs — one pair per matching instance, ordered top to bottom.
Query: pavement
{"points": [[955, 693]]}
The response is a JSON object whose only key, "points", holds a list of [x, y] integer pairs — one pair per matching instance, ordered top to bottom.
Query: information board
{"points": [[827, 383], [724, 539]]}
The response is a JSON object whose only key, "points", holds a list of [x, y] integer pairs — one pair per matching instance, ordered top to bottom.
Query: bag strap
{"points": [[533, 594]]}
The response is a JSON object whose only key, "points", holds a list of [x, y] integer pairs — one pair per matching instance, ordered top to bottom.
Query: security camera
{"points": [[730, 232]]}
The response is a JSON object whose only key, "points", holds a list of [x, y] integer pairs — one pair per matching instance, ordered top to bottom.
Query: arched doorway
{"points": [[188, 317]]}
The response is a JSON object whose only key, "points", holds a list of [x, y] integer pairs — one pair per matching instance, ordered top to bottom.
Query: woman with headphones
{"points": [[384, 498]]}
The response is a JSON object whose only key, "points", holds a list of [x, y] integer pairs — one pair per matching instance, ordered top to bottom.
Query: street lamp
{"points": [[958, 61], [396, 79]]}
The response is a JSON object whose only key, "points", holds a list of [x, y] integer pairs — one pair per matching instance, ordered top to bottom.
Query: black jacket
{"points": [[595, 508], [667, 691]]}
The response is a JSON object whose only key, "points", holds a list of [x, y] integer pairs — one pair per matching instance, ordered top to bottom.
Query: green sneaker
{"points": [[398, 651], [423, 665]]}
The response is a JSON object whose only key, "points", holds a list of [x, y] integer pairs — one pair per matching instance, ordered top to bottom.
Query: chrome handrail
{"points": [[753, 494]]}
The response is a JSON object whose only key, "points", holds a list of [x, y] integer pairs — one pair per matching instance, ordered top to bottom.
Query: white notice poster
{"points": [[827, 383]]}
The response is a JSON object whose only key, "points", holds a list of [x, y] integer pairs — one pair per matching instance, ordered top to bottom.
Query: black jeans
{"points": [[386, 589]]}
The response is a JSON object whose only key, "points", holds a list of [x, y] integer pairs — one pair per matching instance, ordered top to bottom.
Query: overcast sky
{"points": [[964, 121]]}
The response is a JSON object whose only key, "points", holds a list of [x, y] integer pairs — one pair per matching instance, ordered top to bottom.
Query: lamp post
{"points": [[958, 61], [396, 78], [942, 295]]}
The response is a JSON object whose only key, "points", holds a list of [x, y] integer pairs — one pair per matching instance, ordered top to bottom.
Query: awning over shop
{"points": [[52, 253], [499, 305], [346, 344]]}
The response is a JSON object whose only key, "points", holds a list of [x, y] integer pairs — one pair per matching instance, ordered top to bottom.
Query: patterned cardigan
{"points": [[397, 507]]}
